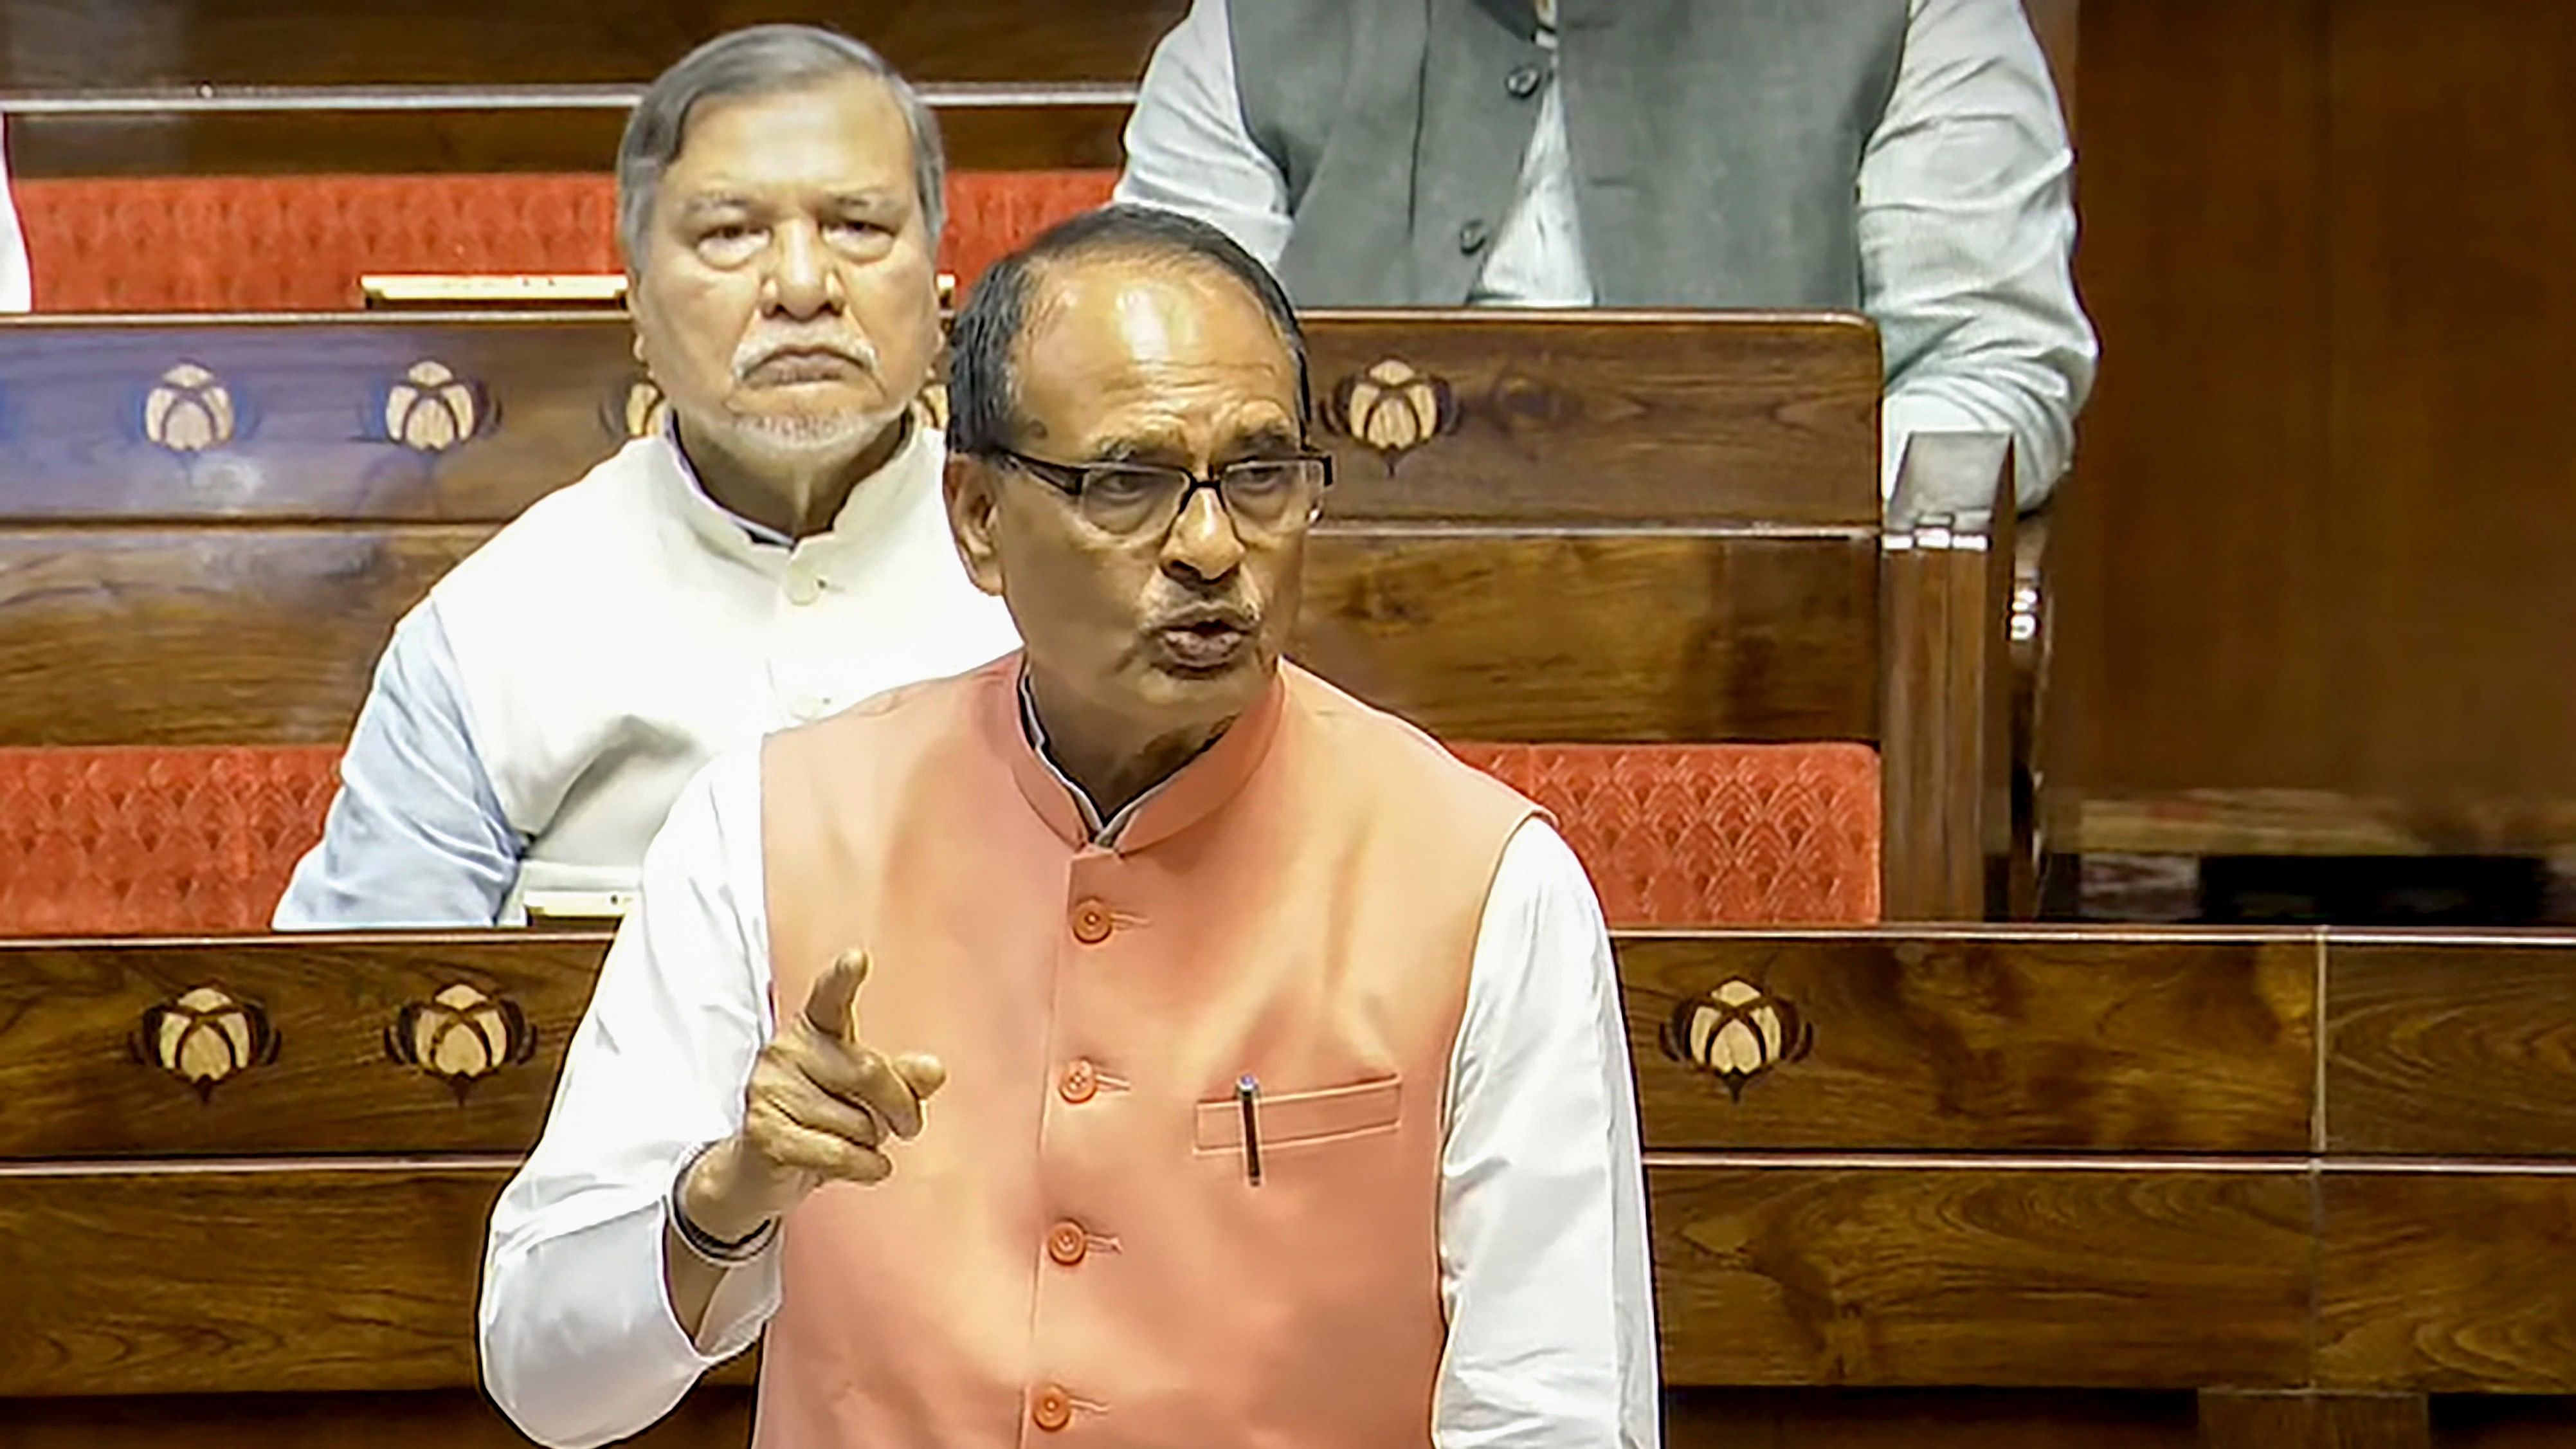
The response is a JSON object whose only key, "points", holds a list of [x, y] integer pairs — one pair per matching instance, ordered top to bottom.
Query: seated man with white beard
{"points": [[780, 551]]}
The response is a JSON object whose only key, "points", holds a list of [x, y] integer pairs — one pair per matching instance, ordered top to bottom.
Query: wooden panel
{"points": [[70, 43], [262, 143], [2319, 243], [2451, 354], [541, 399], [1662, 418], [1592, 419], [1499, 635], [213, 636], [2188, 651], [1947, 684], [2065, 1040], [2450, 1047], [77, 1068], [2112, 1276], [200, 1281], [2447, 1281], [712, 1418], [1925, 1419], [2231, 1420], [2492, 1422]]}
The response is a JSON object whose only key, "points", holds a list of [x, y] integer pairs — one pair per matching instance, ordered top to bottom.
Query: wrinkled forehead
{"points": [[837, 132], [1152, 349]]}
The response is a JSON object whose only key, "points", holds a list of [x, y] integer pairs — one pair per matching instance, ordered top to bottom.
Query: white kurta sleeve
{"points": [[1188, 149], [1967, 235], [17, 290], [1545, 1268], [579, 1343]]}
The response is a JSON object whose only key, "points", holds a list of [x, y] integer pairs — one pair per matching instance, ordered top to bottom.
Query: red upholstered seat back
{"points": [[300, 243], [1707, 835], [135, 840], [147, 840]]}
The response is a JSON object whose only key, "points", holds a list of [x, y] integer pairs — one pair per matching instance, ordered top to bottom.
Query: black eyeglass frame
{"points": [[1069, 478]]}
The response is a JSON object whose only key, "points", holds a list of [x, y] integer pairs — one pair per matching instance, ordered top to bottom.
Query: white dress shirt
{"points": [[1966, 219], [17, 292], [1544, 1256]]}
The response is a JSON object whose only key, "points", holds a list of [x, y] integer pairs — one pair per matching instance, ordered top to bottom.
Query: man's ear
{"points": [[974, 497]]}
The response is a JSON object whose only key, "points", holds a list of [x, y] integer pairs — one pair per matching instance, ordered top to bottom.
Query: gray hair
{"points": [[757, 61], [983, 370]]}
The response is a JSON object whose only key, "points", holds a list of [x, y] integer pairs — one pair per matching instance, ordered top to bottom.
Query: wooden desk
{"points": [[1967, 1185]]}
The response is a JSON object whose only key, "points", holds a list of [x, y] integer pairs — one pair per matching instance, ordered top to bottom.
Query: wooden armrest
{"points": [[1951, 849]]}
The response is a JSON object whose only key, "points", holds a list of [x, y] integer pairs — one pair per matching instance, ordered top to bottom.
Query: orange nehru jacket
{"points": [[1072, 1251]]}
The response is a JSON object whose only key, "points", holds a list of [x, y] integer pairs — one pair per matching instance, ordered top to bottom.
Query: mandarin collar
{"points": [[870, 511], [1191, 794]]}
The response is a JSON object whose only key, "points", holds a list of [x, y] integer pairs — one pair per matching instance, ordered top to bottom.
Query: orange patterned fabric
{"points": [[300, 243], [1708, 835], [138, 840], [144, 840]]}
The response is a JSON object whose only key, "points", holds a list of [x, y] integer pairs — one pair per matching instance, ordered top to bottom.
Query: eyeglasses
{"points": [[1272, 497]]}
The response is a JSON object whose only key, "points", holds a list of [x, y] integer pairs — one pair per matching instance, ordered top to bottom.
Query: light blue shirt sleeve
{"points": [[416, 835]]}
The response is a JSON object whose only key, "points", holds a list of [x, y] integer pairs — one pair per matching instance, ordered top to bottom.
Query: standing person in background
{"points": [[1903, 157]]}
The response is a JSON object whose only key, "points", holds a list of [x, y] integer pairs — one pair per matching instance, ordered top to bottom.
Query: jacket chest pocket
{"points": [[1290, 1119]]}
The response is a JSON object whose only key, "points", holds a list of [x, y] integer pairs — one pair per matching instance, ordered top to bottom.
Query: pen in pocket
{"points": [[1247, 1095]]}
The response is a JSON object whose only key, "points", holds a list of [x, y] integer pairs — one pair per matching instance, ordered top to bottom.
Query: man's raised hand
{"points": [[823, 1106]]}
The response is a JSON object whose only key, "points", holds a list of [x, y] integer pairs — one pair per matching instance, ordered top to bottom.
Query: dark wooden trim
{"points": [[1946, 739], [2239, 1419]]}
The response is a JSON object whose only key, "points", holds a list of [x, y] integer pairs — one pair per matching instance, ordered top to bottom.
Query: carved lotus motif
{"points": [[1393, 408], [189, 410], [431, 410], [1736, 1033], [460, 1036], [205, 1037]]}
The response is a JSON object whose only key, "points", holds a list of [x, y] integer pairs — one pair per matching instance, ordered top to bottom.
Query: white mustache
{"points": [[757, 352]]}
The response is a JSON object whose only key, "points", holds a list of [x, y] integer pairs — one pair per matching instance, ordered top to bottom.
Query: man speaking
{"points": [[1136, 1041]]}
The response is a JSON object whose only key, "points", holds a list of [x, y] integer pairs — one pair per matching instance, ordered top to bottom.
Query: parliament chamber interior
{"points": [[2129, 924]]}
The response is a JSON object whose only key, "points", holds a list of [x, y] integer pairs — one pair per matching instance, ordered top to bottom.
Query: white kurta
{"points": [[625, 630]]}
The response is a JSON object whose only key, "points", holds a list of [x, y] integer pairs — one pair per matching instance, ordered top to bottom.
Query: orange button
{"points": [[1091, 923], [1079, 1083], [1067, 1243], [1050, 1407]]}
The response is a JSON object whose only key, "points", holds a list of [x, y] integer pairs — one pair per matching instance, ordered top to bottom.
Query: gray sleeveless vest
{"points": [[1716, 143]]}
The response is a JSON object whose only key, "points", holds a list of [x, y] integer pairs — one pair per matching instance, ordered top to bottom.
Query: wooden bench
{"points": [[1554, 536], [1910, 1185]]}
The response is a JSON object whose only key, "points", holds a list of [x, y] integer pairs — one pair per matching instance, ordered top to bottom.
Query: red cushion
{"points": [[300, 243], [1707, 835], [140, 840]]}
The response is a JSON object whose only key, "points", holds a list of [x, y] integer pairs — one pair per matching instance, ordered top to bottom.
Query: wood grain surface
{"points": [[66, 43], [53, 145], [309, 401], [1606, 418], [1530, 635], [204, 636], [1989, 1041], [2451, 1048], [81, 1085], [2105, 1276], [289, 1279], [2447, 1281], [714, 1417], [1927, 1419], [2236, 1420]]}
